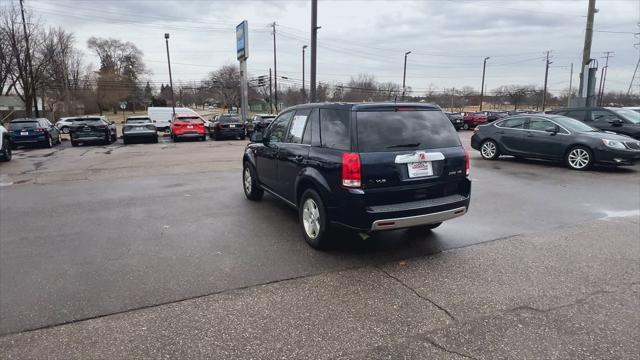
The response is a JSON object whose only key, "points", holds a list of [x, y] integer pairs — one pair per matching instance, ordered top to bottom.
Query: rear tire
{"points": [[465, 126], [65, 129], [107, 138], [155, 139], [124, 140], [48, 142], [74, 143], [489, 150], [6, 153], [250, 185], [313, 219]]}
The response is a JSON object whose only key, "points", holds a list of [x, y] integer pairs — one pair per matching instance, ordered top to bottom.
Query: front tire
{"points": [[465, 126], [65, 130], [489, 150], [6, 153], [579, 158], [250, 184], [313, 219]]}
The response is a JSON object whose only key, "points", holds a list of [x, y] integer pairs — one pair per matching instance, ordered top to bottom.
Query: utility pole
{"points": [[314, 38], [586, 51], [275, 67], [484, 68], [404, 74], [546, 76], [603, 76], [633, 77], [570, 84], [30, 85], [304, 93], [453, 93], [270, 94], [173, 98]]}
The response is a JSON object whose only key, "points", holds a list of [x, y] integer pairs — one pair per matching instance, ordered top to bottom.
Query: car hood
{"points": [[607, 135]]}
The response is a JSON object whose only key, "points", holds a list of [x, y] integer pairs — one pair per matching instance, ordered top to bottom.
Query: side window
{"points": [[577, 114], [602, 115], [514, 123], [539, 124], [334, 129], [278, 130], [296, 130], [308, 130]]}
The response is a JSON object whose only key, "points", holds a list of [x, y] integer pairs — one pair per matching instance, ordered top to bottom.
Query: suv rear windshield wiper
{"points": [[404, 145]]}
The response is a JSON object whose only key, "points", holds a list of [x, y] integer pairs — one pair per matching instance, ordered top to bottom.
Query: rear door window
{"points": [[539, 124], [334, 129], [404, 130]]}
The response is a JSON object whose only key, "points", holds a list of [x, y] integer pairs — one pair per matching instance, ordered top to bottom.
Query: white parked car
{"points": [[63, 124], [5, 145]]}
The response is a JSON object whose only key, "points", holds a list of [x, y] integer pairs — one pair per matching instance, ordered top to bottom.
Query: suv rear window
{"points": [[228, 119], [19, 125], [404, 130]]}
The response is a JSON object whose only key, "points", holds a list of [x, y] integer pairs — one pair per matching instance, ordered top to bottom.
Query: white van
{"points": [[162, 115]]}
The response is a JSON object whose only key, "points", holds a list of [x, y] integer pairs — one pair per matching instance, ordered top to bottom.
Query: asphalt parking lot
{"points": [[96, 230]]}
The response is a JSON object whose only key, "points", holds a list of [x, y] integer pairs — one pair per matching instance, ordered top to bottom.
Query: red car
{"points": [[471, 120], [187, 126]]}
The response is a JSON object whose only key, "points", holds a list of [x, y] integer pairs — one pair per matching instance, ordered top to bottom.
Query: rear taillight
{"points": [[101, 127], [151, 127], [476, 129], [466, 162], [351, 174]]}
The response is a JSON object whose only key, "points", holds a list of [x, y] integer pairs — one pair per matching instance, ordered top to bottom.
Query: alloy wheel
{"points": [[488, 149], [578, 158], [247, 180], [311, 218]]}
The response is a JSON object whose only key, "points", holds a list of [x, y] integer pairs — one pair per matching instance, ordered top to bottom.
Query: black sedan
{"points": [[456, 119], [227, 126], [554, 137]]}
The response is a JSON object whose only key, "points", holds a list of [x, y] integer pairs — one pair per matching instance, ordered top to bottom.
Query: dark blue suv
{"points": [[368, 166]]}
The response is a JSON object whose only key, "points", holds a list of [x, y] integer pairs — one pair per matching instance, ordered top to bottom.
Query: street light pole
{"points": [[314, 38], [484, 68], [404, 74], [304, 93], [173, 99]]}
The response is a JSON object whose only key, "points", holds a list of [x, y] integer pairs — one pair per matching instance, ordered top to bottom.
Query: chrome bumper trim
{"points": [[405, 222]]}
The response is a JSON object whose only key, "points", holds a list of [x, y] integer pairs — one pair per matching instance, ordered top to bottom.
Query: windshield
{"points": [[630, 115], [191, 119], [228, 119], [87, 121], [137, 121], [572, 124], [19, 125], [404, 130]]}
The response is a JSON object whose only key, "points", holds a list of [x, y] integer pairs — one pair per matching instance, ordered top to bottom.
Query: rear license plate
{"points": [[232, 126], [138, 128], [24, 133], [419, 169]]}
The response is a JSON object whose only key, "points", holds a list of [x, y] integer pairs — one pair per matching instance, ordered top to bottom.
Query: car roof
{"points": [[362, 106], [143, 117], [24, 119]]}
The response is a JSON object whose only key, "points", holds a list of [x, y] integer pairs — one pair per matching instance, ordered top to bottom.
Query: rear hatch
{"points": [[230, 123], [189, 125], [90, 127], [25, 130], [409, 154]]}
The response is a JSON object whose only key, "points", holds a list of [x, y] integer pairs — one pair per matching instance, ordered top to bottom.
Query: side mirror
{"points": [[615, 122], [552, 129], [257, 137]]}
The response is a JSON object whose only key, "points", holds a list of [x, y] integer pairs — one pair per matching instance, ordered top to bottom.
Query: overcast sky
{"points": [[448, 39]]}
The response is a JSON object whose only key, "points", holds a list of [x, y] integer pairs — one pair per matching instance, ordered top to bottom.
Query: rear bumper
{"points": [[228, 132], [139, 134], [190, 134], [27, 139], [356, 214]]}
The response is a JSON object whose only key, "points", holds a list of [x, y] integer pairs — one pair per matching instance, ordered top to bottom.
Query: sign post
{"points": [[242, 46], [123, 107]]}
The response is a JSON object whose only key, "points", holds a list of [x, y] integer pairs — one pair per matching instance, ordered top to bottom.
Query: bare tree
{"points": [[225, 85], [515, 94]]}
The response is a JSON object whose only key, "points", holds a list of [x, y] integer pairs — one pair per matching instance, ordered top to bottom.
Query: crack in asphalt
{"points": [[416, 292], [433, 342]]}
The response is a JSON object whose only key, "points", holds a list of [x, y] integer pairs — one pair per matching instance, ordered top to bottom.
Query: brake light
{"points": [[101, 127], [466, 162], [351, 174]]}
